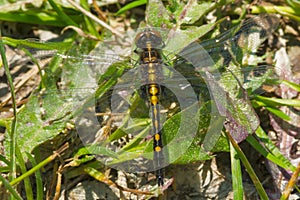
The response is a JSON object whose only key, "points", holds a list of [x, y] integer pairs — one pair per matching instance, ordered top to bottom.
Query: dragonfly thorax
{"points": [[151, 56]]}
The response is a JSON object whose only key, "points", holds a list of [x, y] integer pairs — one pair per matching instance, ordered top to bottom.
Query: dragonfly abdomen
{"points": [[149, 42], [153, 92]]}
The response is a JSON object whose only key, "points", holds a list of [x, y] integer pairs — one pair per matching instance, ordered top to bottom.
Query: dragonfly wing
{"points": [[237, 43], [241, 43], [230, 50]]}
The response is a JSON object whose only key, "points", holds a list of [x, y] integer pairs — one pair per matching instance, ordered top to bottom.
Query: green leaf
{"points": [[293, 3], [131, 5], [193, 11], [287, 11], [40, 13], [157, 15], [63, 16], [40, 18], [176, 42], [26, 43], [292, 85], [266, 101], [233, 103], [278, 113], [45, 115], [34, 129], [12, 131], [139, 137], [96, 150], [194, 152], [271, 152], [38, 178], [237, 181], [27, 182], [12, 191], [263, 195]]}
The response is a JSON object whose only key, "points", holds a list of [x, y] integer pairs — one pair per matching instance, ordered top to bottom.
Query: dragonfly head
{"points": [[149, 38]]}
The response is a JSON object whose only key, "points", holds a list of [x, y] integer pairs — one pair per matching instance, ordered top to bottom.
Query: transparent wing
{"points": [[237, 44], [223, 61], [106, 81]]}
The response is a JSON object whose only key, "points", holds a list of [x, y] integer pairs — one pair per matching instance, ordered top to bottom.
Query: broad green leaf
{"points": [[193, 11], [157, 15], [180, 38], [241, 118], [34, 129]]}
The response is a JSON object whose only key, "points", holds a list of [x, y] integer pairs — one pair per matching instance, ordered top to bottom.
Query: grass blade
{"points": [[131, 5], [65, 18], [277, 102], [13, 131], [275, 155], [22, 165], [40, 165], [38, 178], [237, 182], [8, 186], [262, 193]]}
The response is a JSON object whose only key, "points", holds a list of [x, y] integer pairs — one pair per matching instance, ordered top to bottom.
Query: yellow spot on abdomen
{"points": [[153, 90], [154, 100], [157, 137], [157, 149]]}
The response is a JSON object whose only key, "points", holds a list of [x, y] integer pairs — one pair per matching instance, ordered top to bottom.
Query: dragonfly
{"points": [[162, 85]]}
